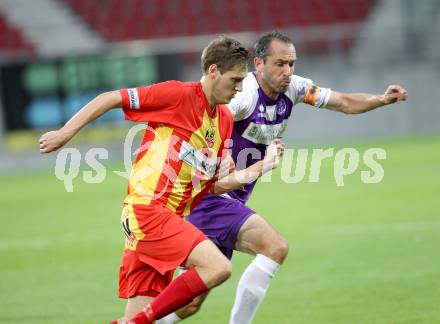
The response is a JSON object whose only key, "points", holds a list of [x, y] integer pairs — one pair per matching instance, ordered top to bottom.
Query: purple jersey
{"points": [[258, 120]]}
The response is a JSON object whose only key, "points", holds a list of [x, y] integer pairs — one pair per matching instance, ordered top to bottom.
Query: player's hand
{"points": [[394, 93], [52, 141], [274, 152], [225, 167]]}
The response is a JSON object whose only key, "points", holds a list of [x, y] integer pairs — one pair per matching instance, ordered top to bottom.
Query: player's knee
{"points": [[282, 249], [277, 250], [223, 271]]}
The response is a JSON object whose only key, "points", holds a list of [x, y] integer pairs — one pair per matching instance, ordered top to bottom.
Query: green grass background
{"points": [[362, 253]]}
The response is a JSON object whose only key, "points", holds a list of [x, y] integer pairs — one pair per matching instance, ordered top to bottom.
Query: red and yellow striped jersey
{"points": [[181, 145]]}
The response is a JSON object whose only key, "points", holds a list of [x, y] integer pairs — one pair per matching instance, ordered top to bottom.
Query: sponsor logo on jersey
{"points": [[134, 98], [281, 107], [271, 113], [264, 134], [210, 136], [196, 159]]}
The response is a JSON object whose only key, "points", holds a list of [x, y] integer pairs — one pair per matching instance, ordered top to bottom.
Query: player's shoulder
{"points": [[299, 81], [170, 84], [250, 84], [190, 85], [171, 87], [297, 87], [182, 89], [193, 89], [249, 91], [244, 101], [225, 113], [225, 121]]}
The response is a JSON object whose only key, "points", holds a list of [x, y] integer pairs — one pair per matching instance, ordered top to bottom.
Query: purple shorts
{"points": [[220, 219]]}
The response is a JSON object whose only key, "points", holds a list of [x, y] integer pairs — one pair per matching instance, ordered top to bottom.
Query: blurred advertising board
{"points": [[44, 94]]}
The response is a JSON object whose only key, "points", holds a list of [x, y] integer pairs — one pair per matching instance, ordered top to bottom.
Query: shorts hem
{"points": [[149, 293]]}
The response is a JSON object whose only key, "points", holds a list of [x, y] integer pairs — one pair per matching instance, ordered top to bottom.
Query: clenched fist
{"points": [[394, 93], [274, 152]]}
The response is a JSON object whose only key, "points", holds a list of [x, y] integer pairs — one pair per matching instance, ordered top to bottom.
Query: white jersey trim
{"points": [[133, 98], [244, 103]]}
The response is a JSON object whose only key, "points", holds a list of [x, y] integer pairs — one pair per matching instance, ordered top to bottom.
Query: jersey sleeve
{"points": [[304, 90], [156, 102], [243, 104]]}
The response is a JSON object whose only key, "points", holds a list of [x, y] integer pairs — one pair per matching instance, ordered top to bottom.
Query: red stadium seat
{"points": [[119, 20], [12, 41]]}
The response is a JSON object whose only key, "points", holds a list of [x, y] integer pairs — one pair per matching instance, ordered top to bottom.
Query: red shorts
{"points": [[158, 241]]}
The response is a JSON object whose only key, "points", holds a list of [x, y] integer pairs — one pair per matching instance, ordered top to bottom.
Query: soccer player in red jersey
{"points": [[261, 112], [188, 126]]}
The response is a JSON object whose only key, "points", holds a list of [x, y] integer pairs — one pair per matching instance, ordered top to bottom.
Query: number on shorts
{"points": [[126, 228]]}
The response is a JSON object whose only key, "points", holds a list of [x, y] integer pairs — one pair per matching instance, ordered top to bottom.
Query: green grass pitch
{"points": [[358, 254]]}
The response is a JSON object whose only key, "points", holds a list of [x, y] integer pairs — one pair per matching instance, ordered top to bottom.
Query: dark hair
{"points": [[261, 47], [226, 53]]}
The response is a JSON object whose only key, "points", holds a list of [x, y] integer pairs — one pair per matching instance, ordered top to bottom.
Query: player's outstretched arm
{"points": [[358, 103], [51, 141], [236, 179]]}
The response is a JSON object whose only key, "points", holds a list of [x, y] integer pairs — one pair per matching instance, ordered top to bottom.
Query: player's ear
{"points": [[258, 63], [212, 71]]}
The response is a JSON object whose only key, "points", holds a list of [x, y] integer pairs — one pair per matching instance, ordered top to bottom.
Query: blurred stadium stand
{"points": [[139, 19], [51, 27], [12, 40], [348, 45]]}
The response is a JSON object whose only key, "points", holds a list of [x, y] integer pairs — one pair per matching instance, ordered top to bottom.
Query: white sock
{"points": [[252, 288], [169, 319]]}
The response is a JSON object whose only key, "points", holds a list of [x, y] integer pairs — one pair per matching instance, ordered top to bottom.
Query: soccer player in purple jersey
{"points": [[261, 112]]}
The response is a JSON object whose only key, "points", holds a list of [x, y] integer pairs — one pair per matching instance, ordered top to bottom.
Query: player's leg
{"points": [[220, 219], [230, 224], [257, 237], [200, 259], [208, 267], [139, 283], [134, 305], [193, 307], [184, 312]]}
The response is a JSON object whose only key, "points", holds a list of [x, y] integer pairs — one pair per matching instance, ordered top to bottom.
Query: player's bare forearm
{"points": [[358, 103], [95, 108], [51, 141], [237, 178]]}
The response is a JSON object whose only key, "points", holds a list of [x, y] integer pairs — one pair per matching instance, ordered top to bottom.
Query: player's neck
{"points": [[266, 89], [207, 90]]}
